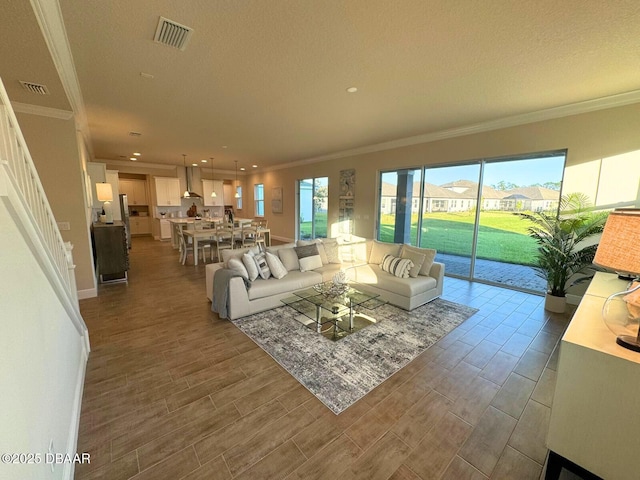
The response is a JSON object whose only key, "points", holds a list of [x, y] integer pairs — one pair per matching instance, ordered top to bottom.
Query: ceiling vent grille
{"points": [[172, 34], [35, 88], [135, 134]]}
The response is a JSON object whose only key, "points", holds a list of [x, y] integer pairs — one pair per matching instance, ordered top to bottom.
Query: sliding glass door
{"points": [[313, 200], [468, 213], [449, 214]]}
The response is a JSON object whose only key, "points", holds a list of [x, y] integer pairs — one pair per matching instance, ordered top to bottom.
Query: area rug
{"points": [[340, 373]]}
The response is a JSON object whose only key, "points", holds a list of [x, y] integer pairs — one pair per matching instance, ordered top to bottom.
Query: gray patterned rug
{"points": [[340, 373]]}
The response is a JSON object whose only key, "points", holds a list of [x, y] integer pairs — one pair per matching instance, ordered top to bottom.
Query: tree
{"points": [[321, 194]]}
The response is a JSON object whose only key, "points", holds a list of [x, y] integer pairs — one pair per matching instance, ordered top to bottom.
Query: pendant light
{"points": [[184, 162], [213, 192], [237, 195]]}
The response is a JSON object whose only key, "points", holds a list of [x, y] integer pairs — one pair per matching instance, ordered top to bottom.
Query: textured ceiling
{"points": [[268, 78]]}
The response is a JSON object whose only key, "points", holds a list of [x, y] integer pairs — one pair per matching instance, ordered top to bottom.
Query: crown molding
{"points": [[49, 17], [612, 101], [42, 111], [163, 166]]}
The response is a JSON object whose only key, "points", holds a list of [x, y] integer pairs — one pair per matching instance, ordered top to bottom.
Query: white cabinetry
{"points": [[213, 186], [136, 191], [167, 192], [140, 225], [594, 419]]}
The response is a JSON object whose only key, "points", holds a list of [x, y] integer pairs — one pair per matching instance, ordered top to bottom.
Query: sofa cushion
{"points": [[318, 242], [276, 248], [380, 249], [332, 250], [228, 253], [429, 254], [308, 257], [289, 258], [417, 258], [250, 265], [237, 266], [396, 266], [278, 270], [328, 271], [295, 280], [407, 287]]}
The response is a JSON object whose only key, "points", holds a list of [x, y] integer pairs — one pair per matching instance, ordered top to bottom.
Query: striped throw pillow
{"points": [[263, 266], [398, 267]]}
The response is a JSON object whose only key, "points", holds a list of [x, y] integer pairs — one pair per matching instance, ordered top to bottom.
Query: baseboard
{"points": [[282, 239], [88, 293], [74, 427]]}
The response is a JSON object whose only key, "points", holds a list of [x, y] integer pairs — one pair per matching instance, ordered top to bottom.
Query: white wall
{"points": [[42, 361]]}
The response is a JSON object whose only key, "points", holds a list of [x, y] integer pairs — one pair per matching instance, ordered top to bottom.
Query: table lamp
{"points": [[105, 194], [619, 250]]}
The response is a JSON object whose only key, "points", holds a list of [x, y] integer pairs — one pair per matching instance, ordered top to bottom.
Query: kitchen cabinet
{"points": [[213, 186], [136, 191], [167, 192], [140, 225], [165, 229], [110, 251], [594, 418]]}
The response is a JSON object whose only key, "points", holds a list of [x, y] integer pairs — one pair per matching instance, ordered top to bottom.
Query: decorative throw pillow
{"points": [[318, 243], [380, 249], [332, 250], [429, 254], [308, 257], [417, 258], [289, 259], [236, 265], [250, 265], [263, 266], [396, 266], [278, 270]]}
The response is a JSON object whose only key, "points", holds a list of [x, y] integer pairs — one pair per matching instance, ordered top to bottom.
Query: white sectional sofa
{"points": [[361, 262]]}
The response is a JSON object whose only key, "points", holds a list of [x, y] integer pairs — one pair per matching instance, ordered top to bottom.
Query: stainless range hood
{"points": [[192, 176]]}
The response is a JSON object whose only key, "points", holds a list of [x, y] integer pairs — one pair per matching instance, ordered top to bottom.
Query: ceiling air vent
{"points": [[172, 34], [35, 88], [135, 134]]}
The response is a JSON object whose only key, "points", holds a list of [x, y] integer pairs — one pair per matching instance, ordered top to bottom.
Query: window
{"points": [[239, 197], [258, 198], [313, 201], [467, 213]]}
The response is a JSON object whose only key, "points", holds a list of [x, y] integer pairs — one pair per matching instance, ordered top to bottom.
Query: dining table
{"points": [[209, 233]]}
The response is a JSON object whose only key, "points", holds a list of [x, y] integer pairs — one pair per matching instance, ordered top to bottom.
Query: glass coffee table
{"points": [[334, 316]]}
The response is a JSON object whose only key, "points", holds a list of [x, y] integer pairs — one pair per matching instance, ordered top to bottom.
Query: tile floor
{"points": [[174, 392]]}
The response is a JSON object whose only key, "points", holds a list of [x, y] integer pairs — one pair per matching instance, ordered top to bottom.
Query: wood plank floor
{"points": [[173, 392]]}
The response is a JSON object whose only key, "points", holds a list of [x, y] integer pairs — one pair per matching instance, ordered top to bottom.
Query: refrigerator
{"points": [[124, 210]]}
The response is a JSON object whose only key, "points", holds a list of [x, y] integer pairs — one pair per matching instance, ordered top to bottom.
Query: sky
{"points": [[519, 172]]}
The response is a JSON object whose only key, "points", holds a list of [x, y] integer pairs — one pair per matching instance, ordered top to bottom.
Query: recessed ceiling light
{"points": [[146, 75], [352, 89], [224, 146], [136, 154], [133, 159], [203, 161], [194, 164], [254, 166], [242, 168]]}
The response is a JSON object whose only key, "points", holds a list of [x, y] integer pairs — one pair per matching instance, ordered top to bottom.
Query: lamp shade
{"points": [[104, 192], [619, 249]]}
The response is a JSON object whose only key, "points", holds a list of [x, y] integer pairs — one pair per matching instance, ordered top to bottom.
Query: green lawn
{"points": [[321, 227], [502, 236]]}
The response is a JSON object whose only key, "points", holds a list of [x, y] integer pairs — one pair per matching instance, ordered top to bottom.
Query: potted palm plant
{"points": [[566, 244]]}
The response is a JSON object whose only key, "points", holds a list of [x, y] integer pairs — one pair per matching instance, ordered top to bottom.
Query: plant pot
{"points": [[555, 304]]}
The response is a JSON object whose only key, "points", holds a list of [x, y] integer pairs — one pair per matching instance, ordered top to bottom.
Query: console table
{"points": [[111, 254], [595, 422]]}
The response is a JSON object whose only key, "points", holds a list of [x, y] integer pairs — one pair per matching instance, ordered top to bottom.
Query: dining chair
{"points": [[249, 235], [224, 237], [186, 247]]}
